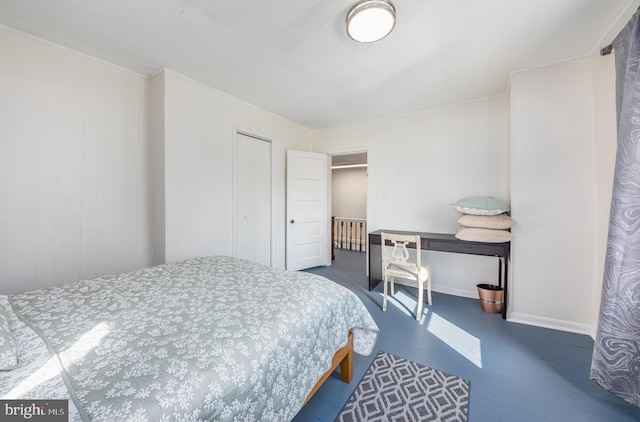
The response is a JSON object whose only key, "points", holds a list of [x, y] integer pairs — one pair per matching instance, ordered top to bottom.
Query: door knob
{"points": [[292, 221]]}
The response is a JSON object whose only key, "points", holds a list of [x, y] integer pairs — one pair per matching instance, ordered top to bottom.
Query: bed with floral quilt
{"points": [[212, 338]]}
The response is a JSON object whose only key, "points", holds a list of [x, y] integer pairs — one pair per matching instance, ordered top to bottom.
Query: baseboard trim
{"points": [[473, 294], [554, 324]]}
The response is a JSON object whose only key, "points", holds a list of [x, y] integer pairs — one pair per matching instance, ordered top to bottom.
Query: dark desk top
{"points": [[439, 236], [446, 242]]}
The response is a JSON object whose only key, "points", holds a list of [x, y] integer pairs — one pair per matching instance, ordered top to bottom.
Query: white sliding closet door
{"points": [[252, 197]]}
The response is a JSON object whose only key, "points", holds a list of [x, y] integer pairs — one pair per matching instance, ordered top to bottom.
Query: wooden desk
{"points": [[444, 243]]}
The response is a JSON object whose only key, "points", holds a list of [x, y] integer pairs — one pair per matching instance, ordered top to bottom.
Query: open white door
{"points": [[308, 223]]}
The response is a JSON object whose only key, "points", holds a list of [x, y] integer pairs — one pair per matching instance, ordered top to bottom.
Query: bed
{"points": [[212, 338]]}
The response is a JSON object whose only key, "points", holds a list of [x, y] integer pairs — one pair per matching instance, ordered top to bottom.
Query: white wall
{"points": [[156, 115], [199, 125], [605, 154], [421, 163], [74, 170], [349, 192], [553, 195], [79, 197]]}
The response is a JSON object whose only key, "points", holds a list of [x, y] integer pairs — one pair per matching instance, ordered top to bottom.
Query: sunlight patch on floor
{"points": [[406, 304], [455, 337], [458, 339]]}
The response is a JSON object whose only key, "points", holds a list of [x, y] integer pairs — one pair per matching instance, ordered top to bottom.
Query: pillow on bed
{"points": [[481, 205], [496, 222], [483, 235], [8, 351]]}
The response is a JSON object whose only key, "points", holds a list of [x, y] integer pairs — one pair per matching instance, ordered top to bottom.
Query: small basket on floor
{"points": [[490, 298]]}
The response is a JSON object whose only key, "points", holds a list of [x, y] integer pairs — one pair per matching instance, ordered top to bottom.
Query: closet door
{"points": [[252, 188]]}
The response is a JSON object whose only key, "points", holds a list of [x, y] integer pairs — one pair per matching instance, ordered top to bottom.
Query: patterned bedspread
{"points": [[211, 338]]}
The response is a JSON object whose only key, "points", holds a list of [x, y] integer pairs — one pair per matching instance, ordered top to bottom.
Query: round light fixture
{"points": [[371, 20]]}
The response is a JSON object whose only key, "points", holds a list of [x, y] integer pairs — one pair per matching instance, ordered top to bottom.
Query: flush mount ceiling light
{"points": [[371, 20]]}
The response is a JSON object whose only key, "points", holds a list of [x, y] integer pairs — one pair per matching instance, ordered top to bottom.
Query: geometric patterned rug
{"points": [[397, 389]]}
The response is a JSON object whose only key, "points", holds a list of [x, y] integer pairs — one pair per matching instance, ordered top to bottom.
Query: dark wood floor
{"points": [[517, 372]]}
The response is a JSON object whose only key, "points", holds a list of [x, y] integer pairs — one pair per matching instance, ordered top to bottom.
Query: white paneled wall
{"points": [[156, 115], [199, 129], [74, 166], [553, 195]]}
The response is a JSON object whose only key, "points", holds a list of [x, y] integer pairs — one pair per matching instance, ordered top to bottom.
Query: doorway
{"points": [[349, 187]]}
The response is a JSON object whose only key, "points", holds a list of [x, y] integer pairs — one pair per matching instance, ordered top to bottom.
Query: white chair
{"points": [[398, 265]]}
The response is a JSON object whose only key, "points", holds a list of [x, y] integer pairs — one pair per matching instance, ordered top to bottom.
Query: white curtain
{"points": [[616, 357]]}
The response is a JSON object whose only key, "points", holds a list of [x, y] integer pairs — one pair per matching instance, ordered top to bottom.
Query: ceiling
{"points": [[294, 58]]}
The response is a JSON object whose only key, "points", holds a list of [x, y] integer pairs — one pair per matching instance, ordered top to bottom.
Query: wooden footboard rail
{"points": [[344, 358]]}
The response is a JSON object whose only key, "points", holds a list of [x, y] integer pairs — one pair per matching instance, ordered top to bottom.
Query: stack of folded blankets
{"points": [[484, 219]]}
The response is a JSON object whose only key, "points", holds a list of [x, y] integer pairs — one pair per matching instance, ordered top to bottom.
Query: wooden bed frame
{"points": [[344, 358]]}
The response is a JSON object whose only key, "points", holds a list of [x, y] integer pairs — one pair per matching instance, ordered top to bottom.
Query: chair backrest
{"points": [[400, 254]]}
